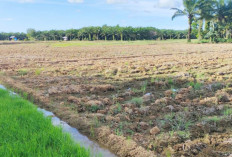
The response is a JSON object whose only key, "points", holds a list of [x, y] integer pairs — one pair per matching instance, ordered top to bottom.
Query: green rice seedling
{"points": [[154, 68], [23, 72], [38, 72], [1, 73], [200, 76], [157, 79], [152, 80], [170, 81], [191, 84], [196, 86], [217, 86], [144, 87], [136, 91], [25, 95], [31, 98], [137, 101], [94, 108], [117, 109], [186, 109], [228, 112], [213, 118], [96, 122], [150, 122], [177, 122], [121, 125], [129, 131], [26, 132], [92, 132], [118, 132], [171, 133], [184, 134], [129, 138], [168, 153]]}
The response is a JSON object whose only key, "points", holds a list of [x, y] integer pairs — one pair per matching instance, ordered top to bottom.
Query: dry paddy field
{"points": [[138, 99]]}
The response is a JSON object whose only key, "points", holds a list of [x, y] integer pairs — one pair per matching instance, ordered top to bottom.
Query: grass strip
{"points": [[112, 43], [25, 132]]}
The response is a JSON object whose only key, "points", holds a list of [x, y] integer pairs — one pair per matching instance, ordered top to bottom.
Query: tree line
{"points": [[211, 18], [208, 20], [101, 33], [6, 36]]}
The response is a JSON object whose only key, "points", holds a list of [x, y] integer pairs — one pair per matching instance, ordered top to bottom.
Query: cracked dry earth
{"points": [[164, 99]]}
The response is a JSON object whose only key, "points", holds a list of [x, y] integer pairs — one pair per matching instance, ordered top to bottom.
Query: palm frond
{"points": [[179, 10], [177, 14]]}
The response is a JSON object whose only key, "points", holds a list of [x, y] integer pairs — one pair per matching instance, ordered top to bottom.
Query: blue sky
{"points": [[19, 15]]}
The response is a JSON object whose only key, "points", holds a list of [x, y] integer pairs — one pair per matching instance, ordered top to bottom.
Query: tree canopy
{"points": [[216, 15], [100, 33]]}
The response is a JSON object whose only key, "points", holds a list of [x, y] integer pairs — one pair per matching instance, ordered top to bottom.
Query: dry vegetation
{"points": [[164, 99]]}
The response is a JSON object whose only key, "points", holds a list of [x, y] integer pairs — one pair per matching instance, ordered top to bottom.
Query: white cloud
{"points": [[21, 1], [26, 1], [75, 1], [116, 1], [55, 2], [168, 3], [143, 4], [146, 7], [6, 19]]}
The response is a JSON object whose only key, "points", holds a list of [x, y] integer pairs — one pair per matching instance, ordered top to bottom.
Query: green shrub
{"points": [[220, 40], [229, 40], [204, 41]]}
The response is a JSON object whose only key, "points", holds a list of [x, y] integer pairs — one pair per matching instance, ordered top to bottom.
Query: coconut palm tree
{"points": [[191, 9], [206, 10], [222, 16]]}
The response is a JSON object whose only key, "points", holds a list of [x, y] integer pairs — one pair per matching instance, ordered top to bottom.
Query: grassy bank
{"points": [[27, 133]]}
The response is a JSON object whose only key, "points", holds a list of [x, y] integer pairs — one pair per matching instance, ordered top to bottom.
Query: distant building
{"points": [[13, 38], [65, 38]]}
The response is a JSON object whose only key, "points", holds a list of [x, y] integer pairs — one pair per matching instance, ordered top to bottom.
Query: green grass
{"points": [[100, 43], [38, 71], [23, 72], [196, 86], [137, 101], [227, 112], [213, 118], [25, 132]]}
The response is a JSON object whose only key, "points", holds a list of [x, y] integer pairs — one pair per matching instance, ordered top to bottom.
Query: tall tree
{"points": [[191, 9], [206, 9], [222, 16], [105, 31], [31, 33]]}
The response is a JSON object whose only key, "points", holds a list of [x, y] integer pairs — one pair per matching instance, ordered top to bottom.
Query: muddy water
{"points": [[84, 141]]}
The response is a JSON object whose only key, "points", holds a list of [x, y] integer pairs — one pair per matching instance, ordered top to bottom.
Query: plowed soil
{"points": [[161, 99]]}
